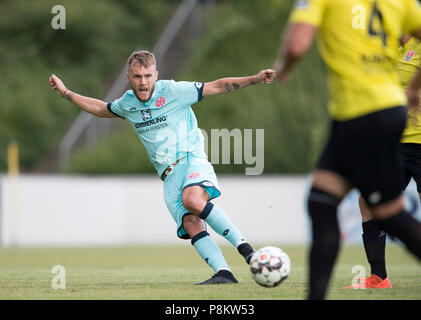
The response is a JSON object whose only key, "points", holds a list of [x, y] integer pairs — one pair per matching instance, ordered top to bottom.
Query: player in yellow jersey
{"points": [[359, 41], [409, 64], [374, 238]]}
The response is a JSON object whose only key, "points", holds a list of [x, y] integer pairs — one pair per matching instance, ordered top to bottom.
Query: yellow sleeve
{"points": [[308, 11], [413, 16]]}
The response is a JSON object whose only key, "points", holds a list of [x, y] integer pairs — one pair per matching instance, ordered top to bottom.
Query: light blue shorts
{"points": [[190, 171]]}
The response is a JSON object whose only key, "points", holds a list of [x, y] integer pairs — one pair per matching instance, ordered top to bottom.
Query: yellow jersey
{"points": [[359, 41], [409, 63]]}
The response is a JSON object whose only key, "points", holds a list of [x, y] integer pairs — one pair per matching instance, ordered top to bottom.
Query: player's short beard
{"points": [[135, 92]]}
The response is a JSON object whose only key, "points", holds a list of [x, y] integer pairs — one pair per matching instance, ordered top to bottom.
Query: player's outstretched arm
{"points": [[297, 40], [226, 85], [91, 105]]}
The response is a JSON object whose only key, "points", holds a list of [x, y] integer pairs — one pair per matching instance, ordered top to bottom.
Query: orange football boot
{"points": [[373, 282]]}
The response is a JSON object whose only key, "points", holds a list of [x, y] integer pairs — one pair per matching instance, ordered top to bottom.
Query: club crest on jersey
{"points": [[409, 55], [160, 102], [146, 114]]}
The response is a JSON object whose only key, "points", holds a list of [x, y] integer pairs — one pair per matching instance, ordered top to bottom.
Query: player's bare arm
{"points": [[296, 42], [227, 85], [413, 92], [413, 95], [91, 105]]}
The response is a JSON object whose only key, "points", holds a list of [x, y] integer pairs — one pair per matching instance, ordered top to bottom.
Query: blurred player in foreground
{"points": [[359, 41], [160, 113], [374, 238]]}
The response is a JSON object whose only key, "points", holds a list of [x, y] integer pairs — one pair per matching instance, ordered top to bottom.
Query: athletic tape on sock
{"points": [[320, 196], [208, 208], [199, 236]]}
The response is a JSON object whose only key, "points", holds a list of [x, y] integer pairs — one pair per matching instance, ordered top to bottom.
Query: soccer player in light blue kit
{"points": [[160, 112]]}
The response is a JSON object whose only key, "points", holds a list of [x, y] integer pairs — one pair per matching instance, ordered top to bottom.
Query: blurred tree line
{"points": [[240, 39], [86, 55]]}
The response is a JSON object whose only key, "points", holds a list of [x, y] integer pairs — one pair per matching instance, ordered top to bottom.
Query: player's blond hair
{"points": [[143, 57]]}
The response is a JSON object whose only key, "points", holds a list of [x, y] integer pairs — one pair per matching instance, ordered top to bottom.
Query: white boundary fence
{"points": [[51, 210], [89, 211]]}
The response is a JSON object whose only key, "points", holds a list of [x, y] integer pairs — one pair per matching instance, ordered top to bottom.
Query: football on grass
{"points": [[270, 266]]}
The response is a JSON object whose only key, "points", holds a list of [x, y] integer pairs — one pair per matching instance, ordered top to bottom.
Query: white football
{"points": [[270, 266]]}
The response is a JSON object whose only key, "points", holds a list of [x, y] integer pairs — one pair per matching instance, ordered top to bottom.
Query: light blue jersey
{"points": [[165, 123], [168, 129]]}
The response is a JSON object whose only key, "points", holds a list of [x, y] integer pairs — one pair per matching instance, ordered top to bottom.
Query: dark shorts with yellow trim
{"points": [[367, 152]]}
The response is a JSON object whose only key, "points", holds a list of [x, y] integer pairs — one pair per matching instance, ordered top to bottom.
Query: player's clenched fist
{"points": [[266, 76], [57, 84]]}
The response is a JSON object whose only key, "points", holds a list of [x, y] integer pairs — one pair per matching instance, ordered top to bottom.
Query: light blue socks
{"points": [[218, 220], [209, 251]]}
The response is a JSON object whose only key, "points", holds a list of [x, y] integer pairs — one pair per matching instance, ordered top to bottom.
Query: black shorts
{"points": [[366, 151], [411, 153]]}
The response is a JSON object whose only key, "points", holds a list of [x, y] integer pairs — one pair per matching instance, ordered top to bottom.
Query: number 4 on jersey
{"points": [[376, 20]]}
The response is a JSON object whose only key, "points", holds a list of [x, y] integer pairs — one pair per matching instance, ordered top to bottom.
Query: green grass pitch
{"points": [[168, 273]]}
